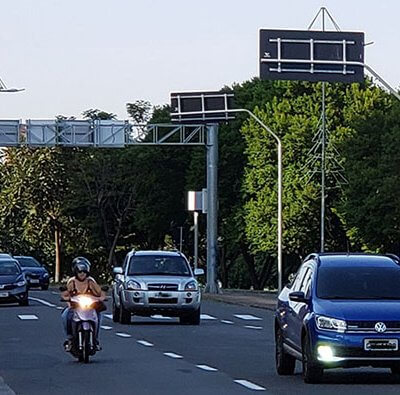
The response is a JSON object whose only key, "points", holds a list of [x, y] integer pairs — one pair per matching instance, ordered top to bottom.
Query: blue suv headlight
{"points": [[330, 324]]}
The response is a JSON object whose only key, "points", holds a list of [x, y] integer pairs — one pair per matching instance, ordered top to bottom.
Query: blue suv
{"points": [[340, 310]]}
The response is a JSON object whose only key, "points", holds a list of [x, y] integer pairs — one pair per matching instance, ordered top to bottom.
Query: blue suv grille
{"points": [[369, 326]]}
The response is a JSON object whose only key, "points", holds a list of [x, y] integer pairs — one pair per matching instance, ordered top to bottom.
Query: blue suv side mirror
{"points": [[298, 296]]}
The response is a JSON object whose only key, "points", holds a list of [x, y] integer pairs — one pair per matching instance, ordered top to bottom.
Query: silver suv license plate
{"points": [[381, 345]]}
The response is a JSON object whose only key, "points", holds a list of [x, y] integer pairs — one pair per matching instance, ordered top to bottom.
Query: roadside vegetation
{"points": [[56, 203]]}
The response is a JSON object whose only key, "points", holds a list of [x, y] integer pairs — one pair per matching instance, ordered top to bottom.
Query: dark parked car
{"points": [[36, 274], [13, 285], [340, 310]]}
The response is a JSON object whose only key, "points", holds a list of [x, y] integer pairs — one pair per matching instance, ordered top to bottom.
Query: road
{"points": [[231, 352]]}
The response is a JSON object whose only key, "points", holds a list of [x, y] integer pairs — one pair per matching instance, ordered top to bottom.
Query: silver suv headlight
{"points": [[133, 285], [191, 286], [330, 324]]}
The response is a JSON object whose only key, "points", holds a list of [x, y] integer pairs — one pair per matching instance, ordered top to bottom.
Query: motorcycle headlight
{"points": [[20, 283], [134, 285], [191, 286], [85, 302], [330, 324]]}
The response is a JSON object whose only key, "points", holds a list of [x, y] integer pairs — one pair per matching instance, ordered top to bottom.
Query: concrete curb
{"points": [[257, 300]]}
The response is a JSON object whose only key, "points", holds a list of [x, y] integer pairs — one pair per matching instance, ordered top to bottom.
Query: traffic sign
{"points": [[312, 55], [204, 107]]}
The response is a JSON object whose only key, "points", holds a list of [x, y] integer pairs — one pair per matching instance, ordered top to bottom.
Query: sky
{"points": [[74, 55]]}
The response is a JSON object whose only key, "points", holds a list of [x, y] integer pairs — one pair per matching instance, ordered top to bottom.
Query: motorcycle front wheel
{"points": [[86, 347]]}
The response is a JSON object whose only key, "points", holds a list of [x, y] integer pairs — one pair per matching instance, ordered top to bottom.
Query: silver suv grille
{"points": [[162, 287]]}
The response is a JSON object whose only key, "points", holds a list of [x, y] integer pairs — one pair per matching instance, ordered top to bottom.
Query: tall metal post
{"points": [[323, 144], [212, 207], [180, 238], [196, 238]]}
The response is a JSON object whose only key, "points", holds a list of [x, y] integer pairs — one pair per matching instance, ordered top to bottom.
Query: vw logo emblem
{"points": [[380, 327]]}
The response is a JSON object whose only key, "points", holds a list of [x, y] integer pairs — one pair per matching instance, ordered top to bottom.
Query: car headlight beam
{"points": [[326, 354]]}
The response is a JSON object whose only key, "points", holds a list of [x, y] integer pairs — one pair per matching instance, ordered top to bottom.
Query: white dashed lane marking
{"points": [[42, 301], [60, 308], [109, 316], [26, 317], [207, 317], [248, 317], [227, 322], [253, 327], [106, 328], [120, 334], [145, 343], [173, 355], [207, 368], [250, 385]]}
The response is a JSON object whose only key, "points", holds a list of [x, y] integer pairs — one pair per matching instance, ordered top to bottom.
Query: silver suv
{"points": [[156, 282]]}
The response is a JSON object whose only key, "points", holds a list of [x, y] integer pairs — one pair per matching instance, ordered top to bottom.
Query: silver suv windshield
{"points": [[158, 265]]}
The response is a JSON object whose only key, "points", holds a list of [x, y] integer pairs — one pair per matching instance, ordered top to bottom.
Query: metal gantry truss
{"points": [[97, 133]]}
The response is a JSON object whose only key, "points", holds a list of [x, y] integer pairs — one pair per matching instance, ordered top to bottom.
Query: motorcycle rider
{"points": [[80, 283]]}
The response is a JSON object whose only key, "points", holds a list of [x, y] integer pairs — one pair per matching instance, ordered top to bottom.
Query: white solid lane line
{"points": [[45, 302], [28, 317], [207, 317], [248, 317], [227, 322], [105, 327], [253, 327], [121, 334], [145, 343], [173, 355], [207, 368], [250, 385]]}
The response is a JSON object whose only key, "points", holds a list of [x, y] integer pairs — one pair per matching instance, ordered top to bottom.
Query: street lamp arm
{"points": [[383, 82], [210, 112], [259, 121]]}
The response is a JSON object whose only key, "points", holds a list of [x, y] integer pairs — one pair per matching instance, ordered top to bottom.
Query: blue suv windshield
{"points": [[362, 282]]}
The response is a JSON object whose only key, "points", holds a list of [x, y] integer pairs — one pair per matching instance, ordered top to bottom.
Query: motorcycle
{"points": [[84, 326]]}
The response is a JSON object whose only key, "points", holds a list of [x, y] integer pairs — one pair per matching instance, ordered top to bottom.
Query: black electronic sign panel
{"points": [[311, 55], [201, 107]]}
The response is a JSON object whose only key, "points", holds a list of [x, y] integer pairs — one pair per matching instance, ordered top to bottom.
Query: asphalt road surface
{"points": [[231, 352]]}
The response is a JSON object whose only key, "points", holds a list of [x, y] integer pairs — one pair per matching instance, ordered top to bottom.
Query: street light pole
{"points": [[279, 143]]}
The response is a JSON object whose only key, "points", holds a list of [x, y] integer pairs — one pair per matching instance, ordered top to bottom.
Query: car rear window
{"points": [[28, 262], [158, 265], [8, 268], [362, 282]]}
